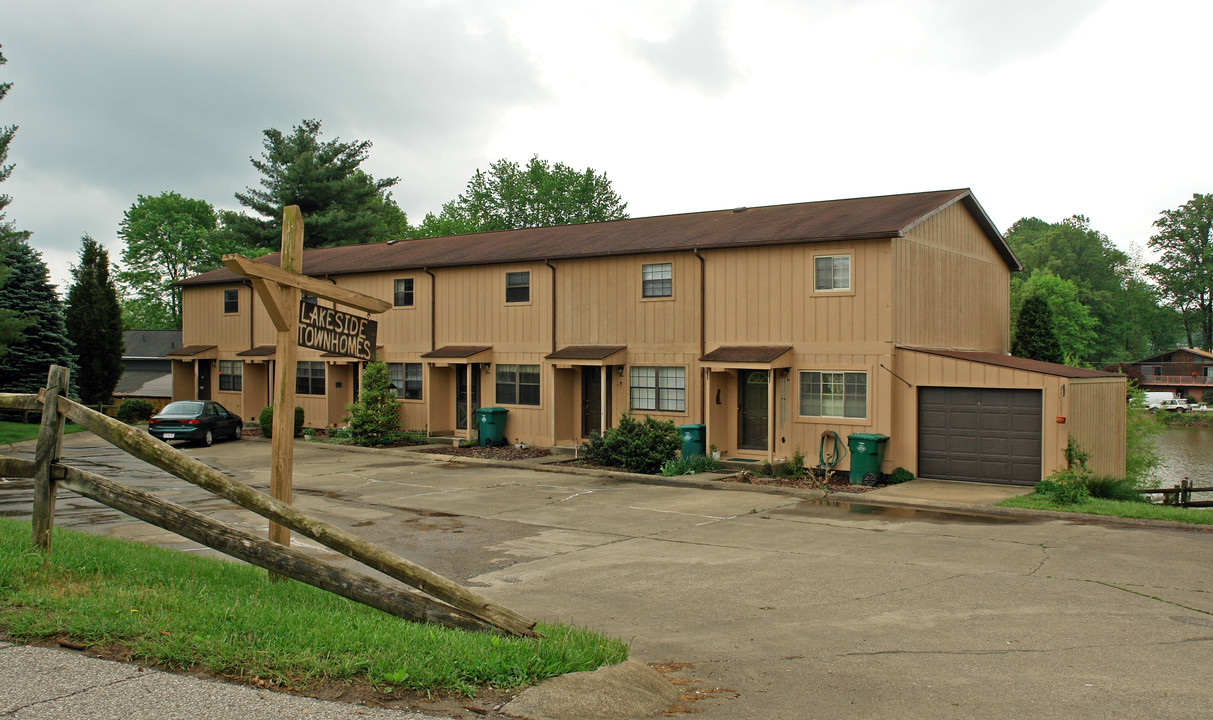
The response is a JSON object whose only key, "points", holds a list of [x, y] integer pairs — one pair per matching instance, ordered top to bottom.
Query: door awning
{"points": [[194, 352], [459, 355], [591, 355], [748, 357]]}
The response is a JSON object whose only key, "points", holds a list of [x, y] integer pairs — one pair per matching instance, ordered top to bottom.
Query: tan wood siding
{"points": [[951, 288], [765, 296], [471, 309], [1087, 410], [1096, 418]]}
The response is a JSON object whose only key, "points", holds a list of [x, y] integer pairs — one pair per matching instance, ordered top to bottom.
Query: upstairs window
{"points": [[831, 272], [658, 280], [518, 287], [402, 293], [231, 301]]}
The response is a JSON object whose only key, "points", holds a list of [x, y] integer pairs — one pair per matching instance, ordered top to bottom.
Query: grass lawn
{"points": [[11, 432], [1116, 508], [166, 608]]}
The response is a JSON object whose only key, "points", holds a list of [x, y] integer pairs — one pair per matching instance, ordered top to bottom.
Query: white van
{"points": [[1156, 401]]}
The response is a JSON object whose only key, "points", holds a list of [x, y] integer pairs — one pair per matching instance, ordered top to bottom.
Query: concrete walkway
{"points": [[771, 603]]}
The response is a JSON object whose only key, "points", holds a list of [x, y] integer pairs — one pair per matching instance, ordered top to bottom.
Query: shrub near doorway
{"points": [[639, 447]]}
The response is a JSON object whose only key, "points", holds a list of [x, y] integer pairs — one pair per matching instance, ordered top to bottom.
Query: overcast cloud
{"points": [[1044, 108]]}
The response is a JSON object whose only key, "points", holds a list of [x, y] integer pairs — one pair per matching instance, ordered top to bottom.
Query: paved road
{"points": [[791, 609]]}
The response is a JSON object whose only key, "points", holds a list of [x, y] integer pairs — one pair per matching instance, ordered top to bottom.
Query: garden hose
{"points": [[836, 456]]}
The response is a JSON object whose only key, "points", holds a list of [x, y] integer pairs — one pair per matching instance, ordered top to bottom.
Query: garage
{"points": [[980, 434]]}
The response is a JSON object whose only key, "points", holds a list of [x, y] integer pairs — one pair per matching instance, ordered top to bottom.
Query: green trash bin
{"points": [[491, 422], [694, 439], [867, 450]]}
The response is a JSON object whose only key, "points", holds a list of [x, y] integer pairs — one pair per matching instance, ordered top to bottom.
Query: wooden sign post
{"points": [[279, 289]]}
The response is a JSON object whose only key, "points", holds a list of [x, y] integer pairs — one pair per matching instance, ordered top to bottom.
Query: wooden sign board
{"points": [[336, 331]]}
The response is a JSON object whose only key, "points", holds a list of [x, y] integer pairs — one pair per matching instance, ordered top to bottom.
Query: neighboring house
{"points": [[769, 325], [147, 369], [1183, 371]]}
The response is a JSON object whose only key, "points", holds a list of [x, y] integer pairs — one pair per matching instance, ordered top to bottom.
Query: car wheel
{"points": [[237, 432], [207, 439]]}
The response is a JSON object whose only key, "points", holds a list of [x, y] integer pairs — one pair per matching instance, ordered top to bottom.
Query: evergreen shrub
{"points": [[134, 410], [266, 421], [636, 446]]}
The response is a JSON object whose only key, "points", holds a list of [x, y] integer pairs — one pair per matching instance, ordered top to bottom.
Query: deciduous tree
{"points": [[508, 197], [341, 203], [166, 238], [1184, 270], [94, 324]]}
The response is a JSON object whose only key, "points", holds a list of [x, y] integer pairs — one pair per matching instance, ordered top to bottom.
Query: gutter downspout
{"points": [[553, 268], [433, 310], [703, 397]]}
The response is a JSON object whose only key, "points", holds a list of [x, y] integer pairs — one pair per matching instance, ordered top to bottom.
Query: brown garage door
{"points": [[979, 434]]}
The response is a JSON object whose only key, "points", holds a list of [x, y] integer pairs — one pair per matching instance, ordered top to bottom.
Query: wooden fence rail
{"points": [[144, 447], [1182, 495]]}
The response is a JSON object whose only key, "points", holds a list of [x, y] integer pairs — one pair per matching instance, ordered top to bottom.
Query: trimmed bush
{"points": [[134, 410], [266, 420], [635, 446], [689, 465], [900, 475]]}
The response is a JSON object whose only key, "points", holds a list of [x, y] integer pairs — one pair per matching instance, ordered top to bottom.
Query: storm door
{"points": [[461, 394], [591, 400], [754, 412]]}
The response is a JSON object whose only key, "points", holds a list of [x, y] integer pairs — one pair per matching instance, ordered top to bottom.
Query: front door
{"points": [[204, 380], [461, 394], [591, 400], [754, 411]]}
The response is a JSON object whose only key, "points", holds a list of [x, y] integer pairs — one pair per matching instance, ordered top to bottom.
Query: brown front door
{"points": [[591, 400], [754, 412]]}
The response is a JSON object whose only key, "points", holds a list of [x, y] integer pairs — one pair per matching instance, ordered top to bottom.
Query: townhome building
{"points": [[772, 326]]}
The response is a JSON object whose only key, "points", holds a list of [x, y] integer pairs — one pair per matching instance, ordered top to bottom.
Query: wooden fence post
{"points": [[50, 439]]}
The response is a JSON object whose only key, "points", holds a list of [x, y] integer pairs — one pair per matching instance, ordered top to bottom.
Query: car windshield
{"points": [[182, 408]]}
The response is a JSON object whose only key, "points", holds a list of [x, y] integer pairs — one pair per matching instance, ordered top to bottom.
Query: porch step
{"points": [[446, 439]]}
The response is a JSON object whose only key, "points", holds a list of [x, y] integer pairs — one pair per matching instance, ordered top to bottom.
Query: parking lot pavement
{"points": [[782, 608]]}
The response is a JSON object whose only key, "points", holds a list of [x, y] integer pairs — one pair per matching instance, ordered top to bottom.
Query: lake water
{"points": [[1186, 453]]}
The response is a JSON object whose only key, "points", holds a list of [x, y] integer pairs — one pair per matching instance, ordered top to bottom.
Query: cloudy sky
{"points": [[1044, 108]]}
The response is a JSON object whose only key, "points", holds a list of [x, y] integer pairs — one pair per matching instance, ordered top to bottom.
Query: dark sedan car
{"points": [[201, 421]]}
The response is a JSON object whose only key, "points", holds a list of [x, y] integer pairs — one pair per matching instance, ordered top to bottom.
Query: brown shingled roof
{"points": [[885, 216], [190, 350], [259, 351], [456, 351], [586, 352], [746, 353], [1015, 363]]}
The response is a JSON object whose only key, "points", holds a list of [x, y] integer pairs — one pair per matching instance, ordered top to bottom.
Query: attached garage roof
{"points": [[886, 216], [1008, 361]]}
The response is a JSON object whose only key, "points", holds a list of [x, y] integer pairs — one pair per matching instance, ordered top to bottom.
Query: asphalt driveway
{"points": [[784, 608]]}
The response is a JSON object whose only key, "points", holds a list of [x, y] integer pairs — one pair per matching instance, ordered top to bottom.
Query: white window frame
{"points": [[516, 275], [657, 280], [832, 286], [399, 292], [235, 300], [233, 372], [510, 377], [406, 380], [654, 388], [838, 400]]}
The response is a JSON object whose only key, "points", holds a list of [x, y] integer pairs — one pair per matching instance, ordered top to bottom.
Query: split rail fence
{"points": [[1182, 495], [436, 599]]}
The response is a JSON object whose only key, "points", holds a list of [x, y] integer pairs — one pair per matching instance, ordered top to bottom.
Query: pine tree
{"points": [[28, 293], [11, 324], [94, 324], [1035, 338], [375, 418]]}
